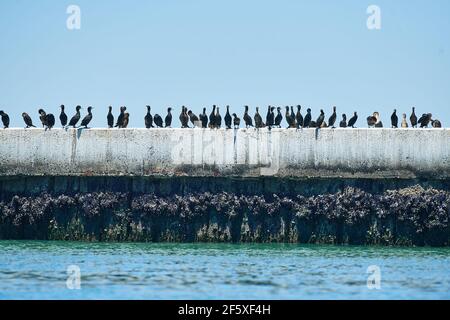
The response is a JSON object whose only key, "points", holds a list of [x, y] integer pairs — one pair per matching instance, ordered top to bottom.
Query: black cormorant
{"points": [[63, 116], [42, 117], [87, 118], [110, 118], [120, 118], [184, 118], [212, 118], [227, 118], [278, 118], [413, 118], [5, 119], [148, 119], [168, 119], [194, 119], [204, 119], [218, 119], [247, 119], [258, 119], [320, 119], [332, 119], [394, 119], [27, 120], [126, 120], [158, 120], [307, 120], [372, 120], [425, 120], [50, 121], [236, 121], [290, 121], [352, 121], [73, 122], [343, 123], [436, 124]]}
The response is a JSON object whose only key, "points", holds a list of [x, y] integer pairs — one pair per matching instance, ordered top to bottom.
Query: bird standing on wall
{"points": [[63, 116], [42, 117], [270, 117], [299, 117], [87, 118], [110, 118], [184, 118], [212, 118], [228, 118], [278, 118], [413, 118], [5, 119], [148, 119], [168, 119], [194, 119], [204, 119], [218, 119], [247, 119], [258, 119], [320, 119], [332, 119], [394, 119], [27, 120], [126, 120], [158, 120], [289, 120], [307, 120], [371, 120], [425, 120], [50, 121], [236, 121], [352, 121], [73, 122], [404, 122], [119, 123], [343, 123], [379, 123], [436, 124]]}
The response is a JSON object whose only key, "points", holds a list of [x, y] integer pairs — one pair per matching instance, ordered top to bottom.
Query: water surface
{"points": [[38, 270]]}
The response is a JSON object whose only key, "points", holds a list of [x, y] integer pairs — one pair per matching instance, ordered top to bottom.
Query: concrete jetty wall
{"points": [[309, 153]]}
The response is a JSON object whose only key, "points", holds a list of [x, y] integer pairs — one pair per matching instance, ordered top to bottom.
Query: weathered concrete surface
{"points": [[346, 153]]}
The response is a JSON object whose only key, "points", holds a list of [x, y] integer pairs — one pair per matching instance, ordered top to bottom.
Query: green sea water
{"points": [[39, 270]]}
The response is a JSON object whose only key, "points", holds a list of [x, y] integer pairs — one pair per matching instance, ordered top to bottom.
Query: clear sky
{"points": [[202, 52]]}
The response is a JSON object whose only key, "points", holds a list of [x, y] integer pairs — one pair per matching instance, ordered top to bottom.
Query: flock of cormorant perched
{"points": [[214, 121]]}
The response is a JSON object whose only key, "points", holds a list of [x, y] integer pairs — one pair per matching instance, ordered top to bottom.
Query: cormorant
{"points": [[42, 116], [63, 116], [218, 117], [270, 117], [293, 117], [299, 117], [87, 118], [110, 118], [120, 118], [184, 118], [212, 118], [227, 118], [278, 118], [413, 118], [5, 119], [148, 119], [168, 119], [194, 119], [204, 119], [247, 119], [258, 119], [320, 119], [332, 119], [394, 119], [27, 120], [126, 120], [158, 120], [289, 120], [307, 120], [372, 120], [425, 120], [50, 121], [236, 121], [352, 121], [73, 122], [404, 122], [343, 123], [379, 123], [436, 124]]}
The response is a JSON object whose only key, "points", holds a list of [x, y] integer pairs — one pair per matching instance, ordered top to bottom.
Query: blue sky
{"points": [[202, 52]]}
